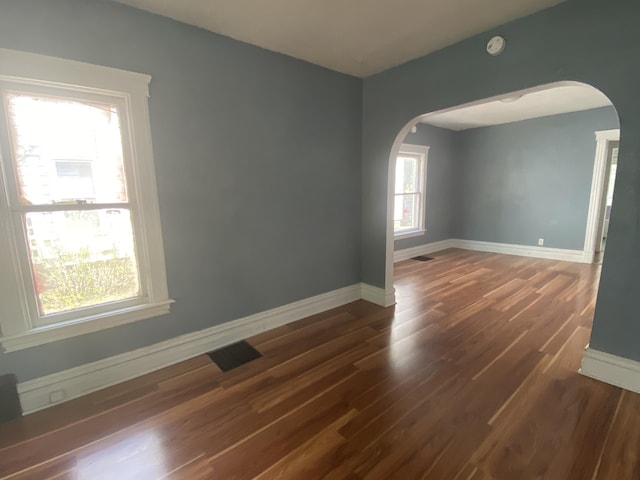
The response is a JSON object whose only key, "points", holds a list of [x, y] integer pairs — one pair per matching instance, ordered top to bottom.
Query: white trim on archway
{"points": [[603, 138]]}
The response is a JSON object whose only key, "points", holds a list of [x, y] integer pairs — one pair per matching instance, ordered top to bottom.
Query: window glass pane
{"points": [[66, 151], [406, 174], [74, 180], [406, 212], [82, 258]]}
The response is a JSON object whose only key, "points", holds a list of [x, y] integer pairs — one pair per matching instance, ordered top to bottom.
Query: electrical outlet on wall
{"points": [[541, 241], [56, 396]]}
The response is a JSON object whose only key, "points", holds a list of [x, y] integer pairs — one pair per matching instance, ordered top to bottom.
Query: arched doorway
{"points": [[560, 98]]}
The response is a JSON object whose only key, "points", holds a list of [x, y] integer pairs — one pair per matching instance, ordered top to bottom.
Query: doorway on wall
{"points": [[602, 190], [607, 199]]}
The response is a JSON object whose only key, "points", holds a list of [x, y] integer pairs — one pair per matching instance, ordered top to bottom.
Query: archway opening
{"points": [[534, 197]]}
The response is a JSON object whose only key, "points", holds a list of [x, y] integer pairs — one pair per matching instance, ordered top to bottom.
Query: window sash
{"points": [[68, 93], [419, 153], [419, 166], [417, 201], [18, 211], [19, 232], [36, 319]]}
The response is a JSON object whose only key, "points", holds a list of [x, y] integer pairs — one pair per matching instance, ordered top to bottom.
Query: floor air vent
{"points": [[422, 258], [232, 356]]}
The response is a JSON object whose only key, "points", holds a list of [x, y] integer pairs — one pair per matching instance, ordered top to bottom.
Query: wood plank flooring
{"points": [[471, 376]]}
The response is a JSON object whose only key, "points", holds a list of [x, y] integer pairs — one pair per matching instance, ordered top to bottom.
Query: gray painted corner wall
{"points": [[589, 41], [258, 162], [528, 180], [439, 192]]}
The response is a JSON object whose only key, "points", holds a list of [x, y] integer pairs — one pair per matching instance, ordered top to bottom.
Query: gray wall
{"points": [[591, 41], [257, 159], [440, 180], [528, 180]]}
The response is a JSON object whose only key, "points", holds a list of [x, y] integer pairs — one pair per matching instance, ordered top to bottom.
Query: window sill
{"points": [[412, 233], [95, 323]]}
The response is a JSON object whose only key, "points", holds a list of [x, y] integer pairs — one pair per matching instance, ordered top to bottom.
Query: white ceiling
{"points": [[358, 37], [535, 103]]}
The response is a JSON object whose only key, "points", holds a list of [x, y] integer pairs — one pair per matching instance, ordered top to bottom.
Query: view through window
{"points": [[71, 185], [408, 211]]}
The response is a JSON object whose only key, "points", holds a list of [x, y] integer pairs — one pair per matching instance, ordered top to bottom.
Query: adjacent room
{"points": [[531, 169], [298, 240]]}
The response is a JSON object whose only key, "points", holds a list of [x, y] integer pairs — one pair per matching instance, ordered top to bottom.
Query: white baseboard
{"points": [[407, 253], [577, 256], [589, 257], [377, 295], [618, 371], [37, 394]]}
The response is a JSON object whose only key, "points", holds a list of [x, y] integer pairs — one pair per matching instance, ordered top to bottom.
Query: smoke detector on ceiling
{"points": [[496, 45]]}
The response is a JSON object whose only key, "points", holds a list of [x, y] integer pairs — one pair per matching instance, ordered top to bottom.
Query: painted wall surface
{"points": [[590, 41], [258, 160], [527, 180], [439, 193]]}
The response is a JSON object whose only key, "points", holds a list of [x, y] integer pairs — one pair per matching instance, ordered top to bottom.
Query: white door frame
{"points": [[603, 138]]}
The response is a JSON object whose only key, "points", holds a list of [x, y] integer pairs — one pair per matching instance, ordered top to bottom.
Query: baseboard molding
{"points": [[407, 253], [577, 256], [589, 257], [377, 295], [618, 371], [39, 393]]}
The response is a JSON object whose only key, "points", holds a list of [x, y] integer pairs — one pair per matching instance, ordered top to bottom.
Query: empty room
{"points": [[298, 240]]}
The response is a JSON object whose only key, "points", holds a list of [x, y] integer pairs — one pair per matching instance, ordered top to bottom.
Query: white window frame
{"points": [[423, 152], [18, 328]]}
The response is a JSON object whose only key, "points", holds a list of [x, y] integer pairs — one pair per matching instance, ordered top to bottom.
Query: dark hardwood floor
{"points": [[472, 376]]}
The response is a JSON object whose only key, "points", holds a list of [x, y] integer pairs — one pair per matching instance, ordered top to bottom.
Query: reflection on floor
{"points": [[135, 457]]}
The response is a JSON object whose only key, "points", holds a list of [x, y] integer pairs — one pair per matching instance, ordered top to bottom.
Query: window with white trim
{"points": [[410, 185], [80, 244]]}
